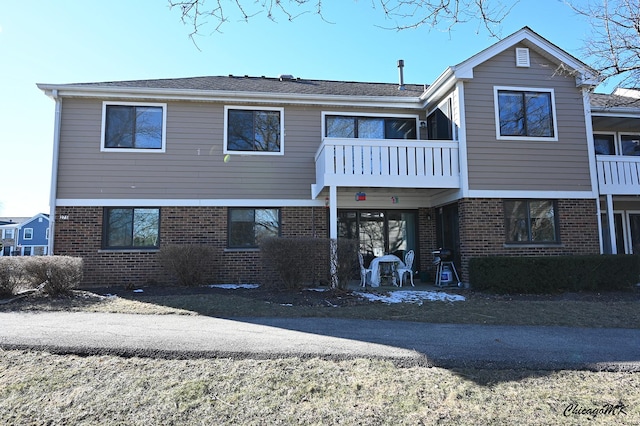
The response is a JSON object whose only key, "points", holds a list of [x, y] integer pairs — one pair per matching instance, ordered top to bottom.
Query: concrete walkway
{"points": [[445, 345]]}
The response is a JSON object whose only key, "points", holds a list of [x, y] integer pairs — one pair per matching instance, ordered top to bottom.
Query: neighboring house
{"points": [[496, 158], [25, 236]]}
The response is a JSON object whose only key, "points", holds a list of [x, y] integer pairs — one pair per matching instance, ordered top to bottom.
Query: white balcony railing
{"points": [[387, 163], [618, 174]]}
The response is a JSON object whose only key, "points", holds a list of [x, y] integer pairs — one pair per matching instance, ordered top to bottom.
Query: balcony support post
{"points": [[611, 224], [333, 234]]}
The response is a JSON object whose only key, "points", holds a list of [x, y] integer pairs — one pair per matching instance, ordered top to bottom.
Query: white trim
{"points": [[587, 76], [443, 84], [227, 96], [496, 105], [250, 108], [616, 112], [323, 115], [103, 129], [462, 140], [54, 169], [593, 170], [555, 195], [121, 202]]}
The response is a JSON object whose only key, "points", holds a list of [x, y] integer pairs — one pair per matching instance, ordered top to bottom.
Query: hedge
{"points": [[554, 274]]}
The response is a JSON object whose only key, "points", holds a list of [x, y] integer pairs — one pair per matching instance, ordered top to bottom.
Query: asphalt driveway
{"points": [[445, 345]]}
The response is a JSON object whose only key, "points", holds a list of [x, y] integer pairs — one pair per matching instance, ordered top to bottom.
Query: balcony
{"points": [[386, 163], [618, 175]]}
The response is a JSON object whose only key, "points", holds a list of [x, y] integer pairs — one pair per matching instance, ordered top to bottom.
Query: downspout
{"points": [[54, 169]]}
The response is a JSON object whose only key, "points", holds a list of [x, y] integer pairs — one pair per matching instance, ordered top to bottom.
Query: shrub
{"points": [[289, 259], [293, 262], [188, 264], [348, 264], [554, 274], [12, 275], [57, 275]]}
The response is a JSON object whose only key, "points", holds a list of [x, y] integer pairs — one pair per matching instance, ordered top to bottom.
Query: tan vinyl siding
{"points": [[561, 165], [192, 168]]}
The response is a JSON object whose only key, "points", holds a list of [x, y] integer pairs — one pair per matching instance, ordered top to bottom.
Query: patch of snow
{"points": [[234, 286], [316, 289], [139, 290], [405, 296], [286, 304]]}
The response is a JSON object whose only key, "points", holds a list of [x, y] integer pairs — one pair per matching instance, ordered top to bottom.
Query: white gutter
{"points": [[104, 92], [54, 168]]}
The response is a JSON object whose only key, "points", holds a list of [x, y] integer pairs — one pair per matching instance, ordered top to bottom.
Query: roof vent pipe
{"points": [[401, 74]]}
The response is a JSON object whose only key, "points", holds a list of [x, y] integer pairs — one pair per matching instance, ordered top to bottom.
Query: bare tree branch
{"points": [[405, 14], [614, 43]]}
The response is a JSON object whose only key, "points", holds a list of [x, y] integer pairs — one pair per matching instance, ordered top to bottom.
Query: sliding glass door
{"points": [[380, 231]]}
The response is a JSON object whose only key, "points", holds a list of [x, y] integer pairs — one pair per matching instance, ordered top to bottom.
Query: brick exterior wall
{"points": [[481, 224], [482, 231], [80, 234]]}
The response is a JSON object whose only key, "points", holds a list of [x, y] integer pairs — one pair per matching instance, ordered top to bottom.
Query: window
{"points": [[525, 114], [439, 124], [337, 126], [129, 127], [256, 131], [604, 144], [630, 144], [530, 221], [248, 226], [131, 228], [8, 233], [27, 233]]}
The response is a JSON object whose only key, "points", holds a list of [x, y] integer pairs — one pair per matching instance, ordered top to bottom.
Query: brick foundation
{"points": [[481, 224], [482, 231], [80, 235]]}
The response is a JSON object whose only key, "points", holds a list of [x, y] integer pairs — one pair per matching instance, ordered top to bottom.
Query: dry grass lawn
{"points": [[40, 388]]}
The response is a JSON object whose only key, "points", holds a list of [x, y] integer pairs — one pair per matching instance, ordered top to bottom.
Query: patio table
{"points": [[382, 263]]}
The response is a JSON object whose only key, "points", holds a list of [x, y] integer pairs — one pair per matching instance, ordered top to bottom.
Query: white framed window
{"points": [[525, 113], [440, 121], [369, 126], [133, 127], [249, 130], [605, 143], [611, 143], [630, 144], [27, 233]]}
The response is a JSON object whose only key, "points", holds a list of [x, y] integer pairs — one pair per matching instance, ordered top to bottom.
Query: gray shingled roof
{"points": [[268, 85], [602, 100]]}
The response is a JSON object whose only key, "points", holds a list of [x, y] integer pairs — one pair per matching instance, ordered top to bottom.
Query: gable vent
{"points": [[522, 57]]}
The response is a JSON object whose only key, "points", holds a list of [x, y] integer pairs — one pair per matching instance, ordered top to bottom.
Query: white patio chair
{"points": [[408, 264], [363, 271]]}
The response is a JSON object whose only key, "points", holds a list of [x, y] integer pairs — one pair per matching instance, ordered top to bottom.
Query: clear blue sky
{"points": [[71, 41]]}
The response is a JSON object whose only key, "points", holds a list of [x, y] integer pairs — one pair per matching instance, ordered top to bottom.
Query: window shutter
{"points": [[522, 57]]}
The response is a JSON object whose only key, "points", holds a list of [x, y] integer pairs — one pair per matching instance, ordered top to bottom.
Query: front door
{"points": [[447, 230]]}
